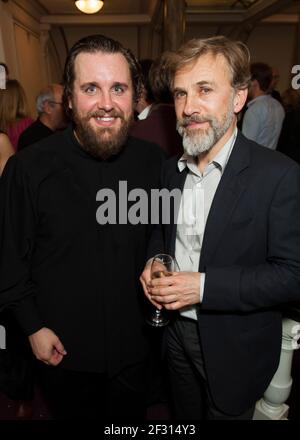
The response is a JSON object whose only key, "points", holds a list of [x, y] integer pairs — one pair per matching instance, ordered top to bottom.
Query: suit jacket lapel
{"points": [[177, 181], [230, 188]]}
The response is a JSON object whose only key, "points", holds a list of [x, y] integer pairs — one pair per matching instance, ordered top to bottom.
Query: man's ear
{"points": [[240, 99], [70, 103], [47, 108]]}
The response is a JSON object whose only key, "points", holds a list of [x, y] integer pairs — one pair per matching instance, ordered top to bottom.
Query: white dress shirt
{"points": [[198, 193]]}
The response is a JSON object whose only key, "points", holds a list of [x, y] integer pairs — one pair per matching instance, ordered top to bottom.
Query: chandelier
{"points": [[89, 6]]}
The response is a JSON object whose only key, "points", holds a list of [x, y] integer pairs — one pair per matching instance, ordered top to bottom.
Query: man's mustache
{"points": [[103, 113], [184, 122]]}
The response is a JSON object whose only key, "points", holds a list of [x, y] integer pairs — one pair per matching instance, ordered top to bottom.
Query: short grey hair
{"points": [[45, 95]]}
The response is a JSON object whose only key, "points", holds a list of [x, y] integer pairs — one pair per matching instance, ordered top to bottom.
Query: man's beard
{"points": [[197, 141], [101, 142]]}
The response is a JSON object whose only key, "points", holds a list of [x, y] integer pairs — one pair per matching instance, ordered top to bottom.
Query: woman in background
{"points": [[14, 115], [6, 150]]}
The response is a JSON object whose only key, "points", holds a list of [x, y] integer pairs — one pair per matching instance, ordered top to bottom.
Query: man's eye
{"points": [[90, 89], [118, 89], [205, 90], [179, 94]]}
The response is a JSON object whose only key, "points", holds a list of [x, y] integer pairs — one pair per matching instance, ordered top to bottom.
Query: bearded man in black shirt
{"points": [[70, 276]]}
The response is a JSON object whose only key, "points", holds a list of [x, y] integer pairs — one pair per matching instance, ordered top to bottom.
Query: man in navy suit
{"points": [[235, 235]]}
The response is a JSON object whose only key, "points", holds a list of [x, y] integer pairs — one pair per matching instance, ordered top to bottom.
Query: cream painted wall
{"points": [[199, 30], [20, 33], [127, 35], [135, 38], [8, 40], [270, 43], [274, 44], [2, 53], [30, 64], [55, 64]]}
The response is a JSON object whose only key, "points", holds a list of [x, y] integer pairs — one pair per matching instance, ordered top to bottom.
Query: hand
{"points": [[145, 279], [179, 290], [47, 347]]}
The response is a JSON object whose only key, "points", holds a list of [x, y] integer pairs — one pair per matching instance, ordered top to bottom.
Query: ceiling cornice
{"points": [[113, 19]]}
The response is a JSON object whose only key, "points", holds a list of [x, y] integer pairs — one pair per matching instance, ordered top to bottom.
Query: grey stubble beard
{"points": [[197, 141]]}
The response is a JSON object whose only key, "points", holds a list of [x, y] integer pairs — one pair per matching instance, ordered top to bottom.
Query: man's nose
{"points": [[105, 101], [191, 105]]}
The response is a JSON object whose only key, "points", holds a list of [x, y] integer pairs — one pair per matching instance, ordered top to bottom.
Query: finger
{"points": [[165, 281], [144, 285], [162, 291], [148, 296], [166, 299], [156, 304], [173, 305], [60, 348], [56, 358], [55, 361]]}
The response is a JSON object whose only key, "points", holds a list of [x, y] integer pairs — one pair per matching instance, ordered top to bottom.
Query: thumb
{"points": [[59, 347]]}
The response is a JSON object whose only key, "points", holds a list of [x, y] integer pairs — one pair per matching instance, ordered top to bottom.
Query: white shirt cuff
{"points": [[202, 283]]}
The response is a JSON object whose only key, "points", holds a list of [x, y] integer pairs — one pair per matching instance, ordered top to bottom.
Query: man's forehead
{"points": [[83, 58], [100, 65], [205, 67]]}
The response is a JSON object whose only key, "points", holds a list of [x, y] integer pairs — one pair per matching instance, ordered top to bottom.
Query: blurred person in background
{"points": [[3, 67], [274, 83], [146, 99], [14, 113], [264, 115], [51, 116], [158, 122], [6, 150]]}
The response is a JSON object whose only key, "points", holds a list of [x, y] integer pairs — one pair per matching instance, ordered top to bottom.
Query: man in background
{"points": [[274, 83], [264, 115], [51, 116], [157, 120]]}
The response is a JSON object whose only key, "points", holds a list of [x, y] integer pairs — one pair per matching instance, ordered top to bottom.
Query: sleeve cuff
{"points": [[202, 284], [27, 316]]}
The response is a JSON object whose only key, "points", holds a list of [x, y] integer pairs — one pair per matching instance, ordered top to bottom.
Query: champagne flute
{"points": [[162, 266]]}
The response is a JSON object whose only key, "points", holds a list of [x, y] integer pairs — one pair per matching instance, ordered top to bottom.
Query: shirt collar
{"points": [[144, 114], [220, 160]]}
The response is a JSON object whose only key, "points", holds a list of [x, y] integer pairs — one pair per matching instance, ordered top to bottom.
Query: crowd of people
{"points": [[76, 287]]}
